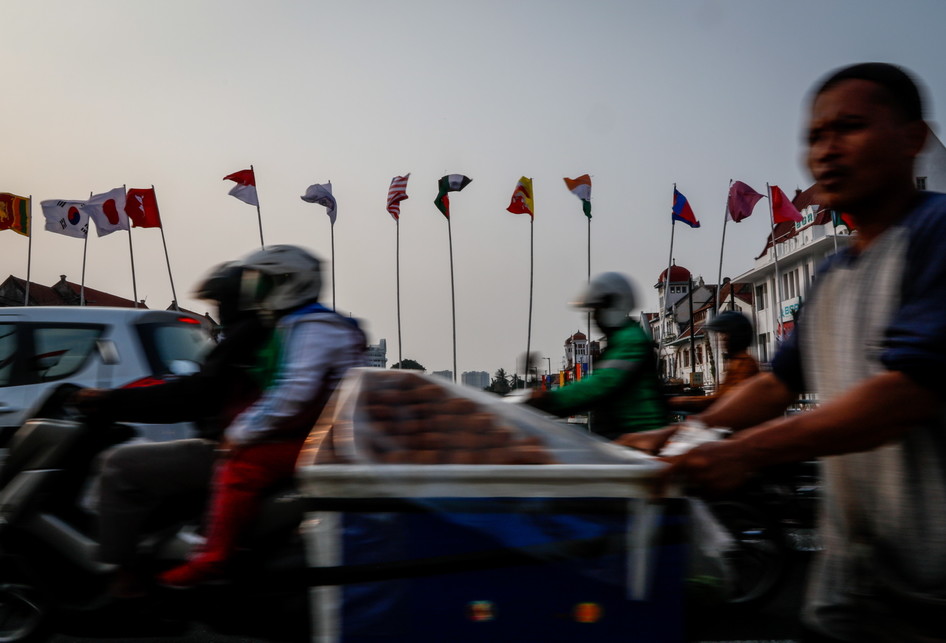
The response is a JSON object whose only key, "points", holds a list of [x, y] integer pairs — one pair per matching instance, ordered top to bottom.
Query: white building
{"points": [[378, 354]]}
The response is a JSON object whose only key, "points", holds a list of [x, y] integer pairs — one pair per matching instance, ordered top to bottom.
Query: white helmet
{"points": [[280, 278], [611, 295]]}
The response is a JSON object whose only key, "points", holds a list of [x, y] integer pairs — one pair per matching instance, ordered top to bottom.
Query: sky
{"points": [[639, 95]]}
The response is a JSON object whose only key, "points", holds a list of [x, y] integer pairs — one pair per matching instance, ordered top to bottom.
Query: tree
{"points": [[409, 364], [516, 382], [500, 383]]}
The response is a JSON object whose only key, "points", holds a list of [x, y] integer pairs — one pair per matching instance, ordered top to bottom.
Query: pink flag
{"points": [[742, 200], [782, 208]]}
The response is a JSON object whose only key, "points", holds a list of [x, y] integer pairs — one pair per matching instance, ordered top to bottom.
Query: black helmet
{"points": [[223, 285], [735, 326]]}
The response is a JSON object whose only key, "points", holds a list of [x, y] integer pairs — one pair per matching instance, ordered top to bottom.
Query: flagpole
{"points": [[259, 216], [165, 243], [722, 244], [85, 246], [131, 252], [29, 254], [333, 264], [397, 278], [531, 286], [777, 291], [453, 299], [663, 308], [588, 314]]}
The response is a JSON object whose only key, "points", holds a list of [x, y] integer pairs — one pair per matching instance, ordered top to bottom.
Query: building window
{"points": [[921, 183], [760, 296], [763, 345]]}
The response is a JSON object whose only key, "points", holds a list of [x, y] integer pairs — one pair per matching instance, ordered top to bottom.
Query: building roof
{"points": [[677, 274], [62, 293]]}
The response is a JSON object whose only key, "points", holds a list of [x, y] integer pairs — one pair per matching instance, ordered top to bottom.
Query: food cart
{"points": [[441, 513]]}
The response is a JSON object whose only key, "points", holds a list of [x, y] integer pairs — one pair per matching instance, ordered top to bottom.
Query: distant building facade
{"points": [[378, 354], [447, 375], [476, 379]]}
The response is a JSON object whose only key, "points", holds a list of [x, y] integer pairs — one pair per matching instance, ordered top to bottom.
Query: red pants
{"points": [[238, 486]]}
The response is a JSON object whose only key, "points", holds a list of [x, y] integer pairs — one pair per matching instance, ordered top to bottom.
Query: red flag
{"points": [[245, 188], [742, 200], [141, 206], [782, 208]]}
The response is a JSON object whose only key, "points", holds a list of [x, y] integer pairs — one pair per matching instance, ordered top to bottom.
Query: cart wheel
{"points": [[759, 557], [20, 616]]}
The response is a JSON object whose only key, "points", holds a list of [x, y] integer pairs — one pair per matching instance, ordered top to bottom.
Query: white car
{"points": [[43, 347]]}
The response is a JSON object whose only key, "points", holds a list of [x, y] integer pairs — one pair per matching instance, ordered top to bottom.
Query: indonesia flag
{"points": [[245, 188], [397, 193], [141, 206], [782, 208], [107, 211], [66, 217]]}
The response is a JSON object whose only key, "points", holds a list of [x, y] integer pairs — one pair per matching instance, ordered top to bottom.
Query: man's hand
{"points": [[647, 441], [712, 467]]}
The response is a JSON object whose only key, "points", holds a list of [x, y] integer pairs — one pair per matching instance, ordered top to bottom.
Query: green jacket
{"points": [[623, 391]]}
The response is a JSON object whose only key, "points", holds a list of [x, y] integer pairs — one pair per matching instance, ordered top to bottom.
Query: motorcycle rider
{"points": [[736, 331], [313, 347], [623, 392], [137, 480]]}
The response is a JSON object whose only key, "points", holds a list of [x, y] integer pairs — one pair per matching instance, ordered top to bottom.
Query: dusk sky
{"points": [[640, 95]]}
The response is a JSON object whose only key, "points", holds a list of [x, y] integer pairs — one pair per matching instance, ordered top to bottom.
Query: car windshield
{"points": [[167, 345]]}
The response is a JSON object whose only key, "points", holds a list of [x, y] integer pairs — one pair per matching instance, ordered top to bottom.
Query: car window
{"points": [[166, 344], [8, 345], [59, 351]]}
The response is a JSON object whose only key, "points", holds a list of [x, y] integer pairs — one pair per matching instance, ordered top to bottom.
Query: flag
{"points": [[449, 183], [581, 187], [245, 188], [397, 193], [322, 194], [742, 200], [522, 202], [141, 206], [782, 208], [107, 211], [682, 211], [15, 213], [66, 217]]}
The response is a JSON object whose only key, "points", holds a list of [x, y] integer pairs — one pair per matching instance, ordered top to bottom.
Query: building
{"points": [[62, 293], [580, 351], [378, 354], [447, 375], [476, 379]]}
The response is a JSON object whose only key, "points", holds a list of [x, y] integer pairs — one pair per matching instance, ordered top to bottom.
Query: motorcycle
{"points": [[49, 568]]}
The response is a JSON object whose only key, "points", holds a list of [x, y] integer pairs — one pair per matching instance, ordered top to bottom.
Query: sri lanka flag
{"points": [[682, 211]]}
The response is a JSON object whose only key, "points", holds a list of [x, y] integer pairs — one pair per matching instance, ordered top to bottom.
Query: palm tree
{"points": [[500, 383]]}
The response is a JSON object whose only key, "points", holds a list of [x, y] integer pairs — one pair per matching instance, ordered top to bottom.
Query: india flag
{"points": [[581, 187]]}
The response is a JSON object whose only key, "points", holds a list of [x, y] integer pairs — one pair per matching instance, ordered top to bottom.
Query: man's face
{"points": [[859, 147]]}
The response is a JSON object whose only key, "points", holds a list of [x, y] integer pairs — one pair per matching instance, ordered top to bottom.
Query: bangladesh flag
{"points": [[15, 213]]}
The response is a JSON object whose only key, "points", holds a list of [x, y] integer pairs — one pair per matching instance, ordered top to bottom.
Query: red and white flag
{"points": [[245, 188], [397, 193], [141, 206], [107, 211], [66, 217]]}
